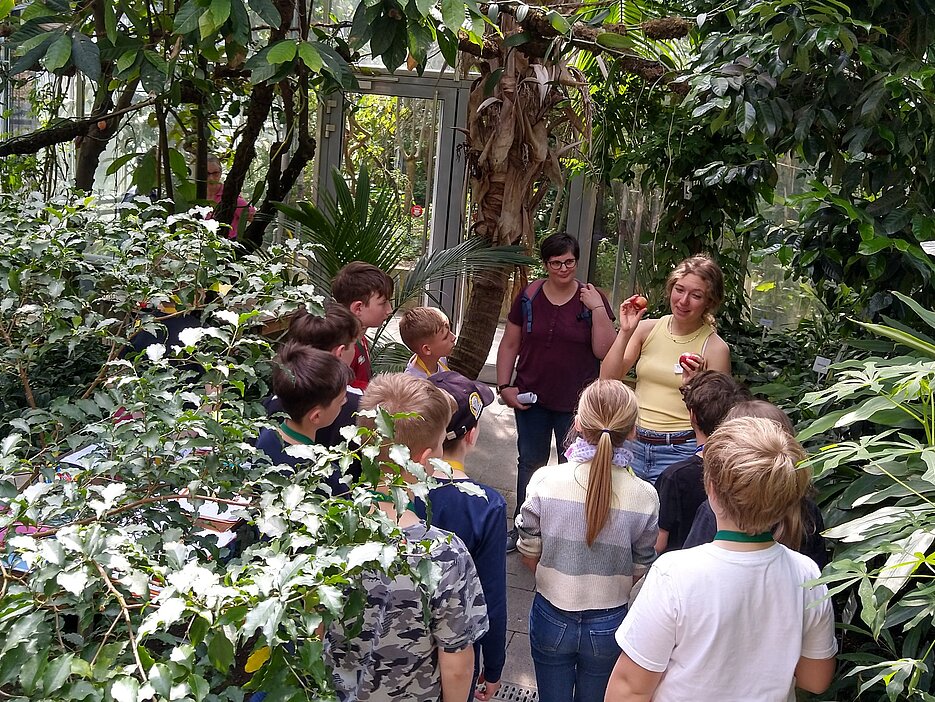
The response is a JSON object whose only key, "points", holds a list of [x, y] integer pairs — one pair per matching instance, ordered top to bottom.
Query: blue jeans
{"points": [[535, 428], [649, 460], [573, 652]]}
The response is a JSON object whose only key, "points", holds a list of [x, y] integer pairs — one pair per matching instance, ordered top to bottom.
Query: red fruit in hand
{"points": [[640, 302], [686, 358]]}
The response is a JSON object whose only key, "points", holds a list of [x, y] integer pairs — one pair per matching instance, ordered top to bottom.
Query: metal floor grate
{"points": [[509, 692]]}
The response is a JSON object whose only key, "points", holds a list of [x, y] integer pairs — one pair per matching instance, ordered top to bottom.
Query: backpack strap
{"points": [[533, 289], [529, 294]]}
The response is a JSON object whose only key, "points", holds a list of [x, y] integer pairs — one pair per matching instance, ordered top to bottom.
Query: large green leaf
{"points": [[220, 10], [266, 10], [453, 14], [186, 19], [612, 40], [282, 51], [58, 54], [31, 56], [86, 56], [310, 56], [927, 315], [901, 337], [842, 418]]}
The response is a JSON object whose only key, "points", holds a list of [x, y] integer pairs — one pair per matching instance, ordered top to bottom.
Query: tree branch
{"points": [[538, 25], [261, 102], [64, 130], [141, 503], [126, 616]]}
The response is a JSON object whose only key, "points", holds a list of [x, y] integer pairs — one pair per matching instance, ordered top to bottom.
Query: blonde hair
{"points": [[709, 271], [421, 323], [400, 393], [606, 416], [750, 468], [791, 530]]}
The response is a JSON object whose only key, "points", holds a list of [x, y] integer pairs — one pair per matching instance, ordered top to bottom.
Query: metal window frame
{"points": [[449, 188], [448, 223]]}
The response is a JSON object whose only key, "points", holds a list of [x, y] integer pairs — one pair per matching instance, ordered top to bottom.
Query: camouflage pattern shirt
{"points": [[395, 656]]}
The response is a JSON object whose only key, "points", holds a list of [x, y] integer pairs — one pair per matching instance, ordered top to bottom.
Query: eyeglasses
{"points": [[570, 264]]}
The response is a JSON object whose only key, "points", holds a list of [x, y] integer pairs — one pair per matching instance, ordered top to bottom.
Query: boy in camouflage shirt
{"points": [[409, 650]]}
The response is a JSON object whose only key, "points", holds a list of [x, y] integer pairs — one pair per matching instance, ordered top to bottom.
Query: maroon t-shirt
{"points": [[555, 358]]}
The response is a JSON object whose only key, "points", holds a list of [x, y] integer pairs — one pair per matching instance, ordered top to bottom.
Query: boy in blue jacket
{"points": [[480, 521]]}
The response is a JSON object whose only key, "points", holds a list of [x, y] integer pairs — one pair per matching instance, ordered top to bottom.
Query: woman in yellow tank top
{"points": [[654, 346]]}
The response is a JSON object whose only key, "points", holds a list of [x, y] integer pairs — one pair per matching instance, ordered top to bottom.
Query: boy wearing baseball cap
{"points": [[479, 521]]}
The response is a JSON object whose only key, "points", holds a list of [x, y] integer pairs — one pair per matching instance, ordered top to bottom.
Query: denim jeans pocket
{"points": [[545, 631], [603, 636], [604, 644]]}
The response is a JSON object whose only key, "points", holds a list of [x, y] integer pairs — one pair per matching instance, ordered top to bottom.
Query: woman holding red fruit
{"points": [[665, 353]]}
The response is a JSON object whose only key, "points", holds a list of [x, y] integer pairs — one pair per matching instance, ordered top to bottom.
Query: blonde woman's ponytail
{"points": [[600, 487]]}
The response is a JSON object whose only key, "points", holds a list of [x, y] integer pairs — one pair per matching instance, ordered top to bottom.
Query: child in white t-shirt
{"points": [[733, 619]]}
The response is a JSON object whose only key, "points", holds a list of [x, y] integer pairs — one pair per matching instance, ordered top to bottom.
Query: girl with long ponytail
{"points": [[587, 530]]}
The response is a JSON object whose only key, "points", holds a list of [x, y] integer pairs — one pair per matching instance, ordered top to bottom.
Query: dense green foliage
{"points": [[846, 90], [877, 479], [109, 589]]}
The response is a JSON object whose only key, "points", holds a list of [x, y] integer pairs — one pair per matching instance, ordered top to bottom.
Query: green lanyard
{"points": [[294, 435], [743, 538]]}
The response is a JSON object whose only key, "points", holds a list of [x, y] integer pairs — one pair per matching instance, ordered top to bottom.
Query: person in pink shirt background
{"points": [[216, 189]]}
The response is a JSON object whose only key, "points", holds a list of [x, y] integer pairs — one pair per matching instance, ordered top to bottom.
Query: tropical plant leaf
{"points": [[350, 226], [469, 256], [927, 315], [900, 337], [389, 356], [842, 418]]}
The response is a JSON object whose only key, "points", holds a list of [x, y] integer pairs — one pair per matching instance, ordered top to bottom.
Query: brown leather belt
{"points": [[668, 439]]}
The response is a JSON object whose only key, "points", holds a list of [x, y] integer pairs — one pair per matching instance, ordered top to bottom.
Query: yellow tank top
{"points": [[659, 376]]}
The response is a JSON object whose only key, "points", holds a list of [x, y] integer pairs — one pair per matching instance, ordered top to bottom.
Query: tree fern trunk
{"points": [[481, 317]]}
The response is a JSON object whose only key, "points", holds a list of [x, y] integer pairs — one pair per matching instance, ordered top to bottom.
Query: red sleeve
{"points": [[360, 366]]}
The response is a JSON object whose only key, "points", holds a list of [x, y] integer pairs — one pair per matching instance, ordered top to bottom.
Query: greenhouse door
{"points": [[404, 128]]}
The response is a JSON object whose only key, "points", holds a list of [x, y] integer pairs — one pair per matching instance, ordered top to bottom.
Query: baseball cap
{"points": [[470, 397]]}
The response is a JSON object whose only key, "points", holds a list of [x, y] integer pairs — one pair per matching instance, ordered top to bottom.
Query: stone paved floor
{"points": [[493, 462]]}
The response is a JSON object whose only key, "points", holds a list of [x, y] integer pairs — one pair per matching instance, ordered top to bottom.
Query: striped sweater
{"points": [[552, 527]]}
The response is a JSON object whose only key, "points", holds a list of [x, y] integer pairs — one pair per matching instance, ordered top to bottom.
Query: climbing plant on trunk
{"points": [[528, 109]]}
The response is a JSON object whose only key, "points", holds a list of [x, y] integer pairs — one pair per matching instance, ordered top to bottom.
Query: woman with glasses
{"points": [[558, 329], [666, 353]]}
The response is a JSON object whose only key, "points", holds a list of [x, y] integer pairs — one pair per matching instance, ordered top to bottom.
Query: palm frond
{"points": [[350, 226], [469, 256], [389, 356]]}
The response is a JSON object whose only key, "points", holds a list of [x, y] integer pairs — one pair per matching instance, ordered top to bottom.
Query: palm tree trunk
{"points": [[481, 317]]}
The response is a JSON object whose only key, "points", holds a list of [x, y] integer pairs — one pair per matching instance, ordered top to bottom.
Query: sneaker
{"points": [[511, 537]]}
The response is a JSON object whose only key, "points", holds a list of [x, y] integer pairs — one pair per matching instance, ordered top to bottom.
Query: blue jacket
{"points": [[481, 525]]}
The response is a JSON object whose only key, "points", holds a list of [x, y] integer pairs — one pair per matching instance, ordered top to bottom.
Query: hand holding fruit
{"points": [[631, 311], [691, 364]]}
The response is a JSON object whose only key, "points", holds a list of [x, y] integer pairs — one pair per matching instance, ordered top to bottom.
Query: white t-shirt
{"points": [[728, 626]]}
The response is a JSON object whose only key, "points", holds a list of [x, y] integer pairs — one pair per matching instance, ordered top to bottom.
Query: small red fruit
{"points": [[102, 125], [640, 302], [686, 357]]}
